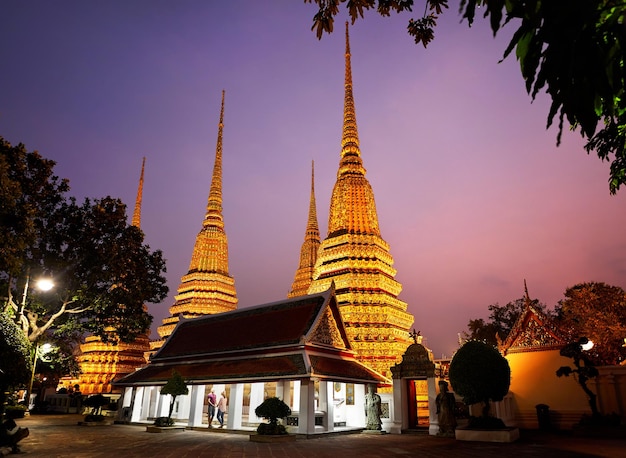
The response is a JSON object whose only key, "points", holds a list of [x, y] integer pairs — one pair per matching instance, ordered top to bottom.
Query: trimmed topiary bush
{"points": [[480, 374], [175, 387], [272, 409], [163, 421]]}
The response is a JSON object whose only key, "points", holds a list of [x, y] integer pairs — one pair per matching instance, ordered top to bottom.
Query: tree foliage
{"points": [[571, 49], [103, 272], [596, 311], [500, 322], [15, 360], [479, 373], [175, 387]]}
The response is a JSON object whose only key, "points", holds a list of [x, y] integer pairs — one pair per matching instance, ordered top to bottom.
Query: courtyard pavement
{"points": [[61, 436]]}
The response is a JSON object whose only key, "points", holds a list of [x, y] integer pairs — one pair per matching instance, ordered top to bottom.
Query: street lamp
{"points": [[42, 284], [587, 345], [40, 352]]}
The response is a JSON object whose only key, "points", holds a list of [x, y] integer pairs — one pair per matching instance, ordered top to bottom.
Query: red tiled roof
{"points": [[278, 324], [264, 343], [341, 369]]}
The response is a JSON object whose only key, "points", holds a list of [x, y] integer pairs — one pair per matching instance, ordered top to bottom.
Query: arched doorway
{"points": [[414, 391]]}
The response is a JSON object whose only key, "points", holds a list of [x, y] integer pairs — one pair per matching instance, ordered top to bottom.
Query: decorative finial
{"points": [[214, 206], [137, 213], [416, 336]]}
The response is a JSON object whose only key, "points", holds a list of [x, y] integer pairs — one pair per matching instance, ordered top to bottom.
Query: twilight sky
{"points": [[472, 193]]}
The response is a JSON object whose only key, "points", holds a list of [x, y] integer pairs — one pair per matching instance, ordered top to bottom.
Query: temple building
{"points": [[310, 246], [356, 258], [207, 288], [250, 354], [102, 362]]}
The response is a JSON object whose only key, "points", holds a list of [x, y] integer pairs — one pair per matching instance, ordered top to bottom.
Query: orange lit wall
{"points": [[534, 381]]}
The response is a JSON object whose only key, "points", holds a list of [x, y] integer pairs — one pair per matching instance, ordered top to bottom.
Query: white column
{"points": [[280, 390], [149, 392], [128, 396], [257, 396], [296, 396], [137, 404], [183, 404], [163, 405], [196, 405], [235, 407], [329, 416], [399, 416], [306, 417], [433, 420]]}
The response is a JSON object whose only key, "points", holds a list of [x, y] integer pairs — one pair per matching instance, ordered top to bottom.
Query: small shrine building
{"points": [[295, 349]]}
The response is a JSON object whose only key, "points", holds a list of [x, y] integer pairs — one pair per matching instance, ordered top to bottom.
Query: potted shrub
{"points": [[480, 374], [175, 386], [272, 409], [15, 411], [94, 416]]}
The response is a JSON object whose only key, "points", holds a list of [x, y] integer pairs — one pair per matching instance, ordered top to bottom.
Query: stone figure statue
{"points": [[373, 409], [445, 410]]}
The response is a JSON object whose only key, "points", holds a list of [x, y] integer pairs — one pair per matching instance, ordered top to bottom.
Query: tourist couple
{"points": [[221, 406]]}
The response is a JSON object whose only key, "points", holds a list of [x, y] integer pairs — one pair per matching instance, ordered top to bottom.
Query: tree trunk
{"points": [[171, 407], [486, 407]]}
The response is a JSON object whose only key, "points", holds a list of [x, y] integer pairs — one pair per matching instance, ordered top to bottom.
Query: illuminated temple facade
{"points": [[357, 260], [207, 288], [101, 362]]}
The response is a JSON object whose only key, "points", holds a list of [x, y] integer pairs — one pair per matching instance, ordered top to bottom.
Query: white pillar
{"points": [[281, 390], [149, 393], [257, 396], [296, 396], [128, 397], [399, 400], [137, 404], [163, 405], [183, 405], [196, 405], [235, 408], [329, 416], [306, 417], [433, 419]]}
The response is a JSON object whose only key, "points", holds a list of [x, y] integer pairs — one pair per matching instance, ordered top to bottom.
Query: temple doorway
{"points": [[414, 392], [418, 412]]}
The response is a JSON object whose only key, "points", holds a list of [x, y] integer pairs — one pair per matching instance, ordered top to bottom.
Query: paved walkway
{"points": [[60, 436]]}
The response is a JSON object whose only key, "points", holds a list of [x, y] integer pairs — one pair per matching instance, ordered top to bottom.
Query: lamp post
{"points": [[43, 284], [39, 350]]}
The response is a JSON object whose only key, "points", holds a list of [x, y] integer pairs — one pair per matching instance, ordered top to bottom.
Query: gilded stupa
{"points": [[308, 251], [356, 258], [207, 288], [102, 362]]}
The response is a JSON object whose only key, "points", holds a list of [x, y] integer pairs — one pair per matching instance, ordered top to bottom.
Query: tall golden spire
{"points": [[137, 213], [308, 252], [356, 258], [207, 287]]}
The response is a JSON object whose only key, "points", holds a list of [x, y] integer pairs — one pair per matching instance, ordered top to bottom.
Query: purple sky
{"points": [[473, 196]]}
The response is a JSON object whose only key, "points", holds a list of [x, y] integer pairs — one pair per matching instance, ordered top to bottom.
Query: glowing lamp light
{"points": [[45, 284], [587, 346], [45, 349]]}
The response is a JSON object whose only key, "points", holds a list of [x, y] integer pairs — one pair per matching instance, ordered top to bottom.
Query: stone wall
{"points": [[534, 381]]}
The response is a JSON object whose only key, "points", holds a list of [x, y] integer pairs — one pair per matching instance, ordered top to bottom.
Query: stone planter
{"points": [[164, 429], [487, 435], [272, 438]]}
